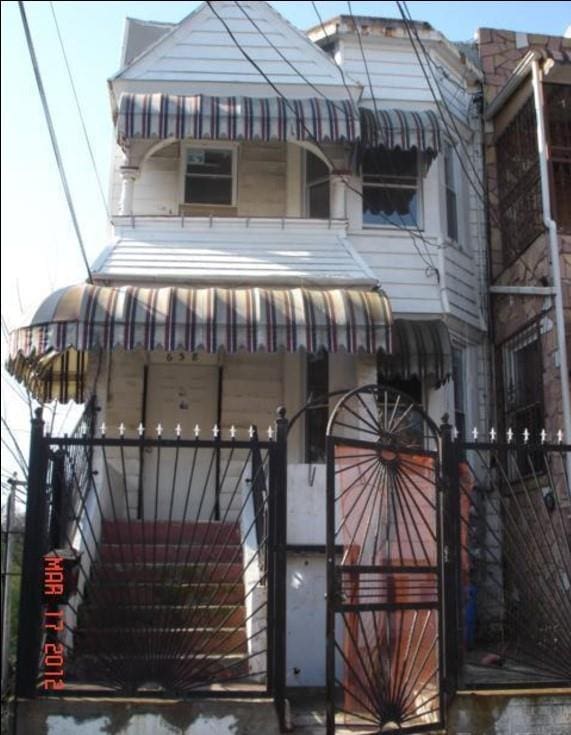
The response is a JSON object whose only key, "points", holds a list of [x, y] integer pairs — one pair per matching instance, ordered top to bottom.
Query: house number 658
{"points": [[179, 355]]}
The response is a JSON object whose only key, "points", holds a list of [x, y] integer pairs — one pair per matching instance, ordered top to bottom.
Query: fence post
{"points": [[58, 516], [279, 534], [35, 536], [7, 565], [452, 580]]}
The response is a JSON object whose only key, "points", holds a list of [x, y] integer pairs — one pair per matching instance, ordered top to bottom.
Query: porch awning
{"points": [[161, 116], [404, 129], [421, 349], [50, 355]]}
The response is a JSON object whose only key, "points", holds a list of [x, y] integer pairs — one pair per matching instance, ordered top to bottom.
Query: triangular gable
{"points": [[199, 49]]}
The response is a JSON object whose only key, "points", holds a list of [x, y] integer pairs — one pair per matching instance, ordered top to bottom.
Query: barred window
{"points": [[519, 185], [523, 386]]}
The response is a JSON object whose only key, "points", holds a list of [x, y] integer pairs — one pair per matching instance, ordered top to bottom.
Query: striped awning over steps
{"points": [[404, 129], [50, 355]]}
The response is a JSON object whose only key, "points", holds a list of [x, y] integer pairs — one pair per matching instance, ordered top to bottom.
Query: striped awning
{"points": [[162, 116], [404, 129], [420, 349], [50, 355]]}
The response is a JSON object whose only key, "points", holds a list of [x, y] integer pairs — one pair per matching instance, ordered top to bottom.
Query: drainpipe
{"points": [[554, 253]]}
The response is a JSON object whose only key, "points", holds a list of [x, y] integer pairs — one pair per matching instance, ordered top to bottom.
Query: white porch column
{"points": [[128, 176], [337, 194]]}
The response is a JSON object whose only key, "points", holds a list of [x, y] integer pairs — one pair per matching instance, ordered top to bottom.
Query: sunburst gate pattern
{"points": [[384, 513]]}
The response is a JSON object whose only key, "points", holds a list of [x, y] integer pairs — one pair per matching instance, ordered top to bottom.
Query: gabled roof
{"points": [[200, 49]]}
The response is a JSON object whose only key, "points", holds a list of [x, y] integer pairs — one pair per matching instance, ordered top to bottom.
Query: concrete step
{"points": [[175, 532], [127, 553], [195, 572], [166, 593], [176, 615], [132, 640]]}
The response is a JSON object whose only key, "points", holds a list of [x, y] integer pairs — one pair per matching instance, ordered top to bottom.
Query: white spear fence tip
{"points": [[103, 429], [121, 429], [141, 429], [159, 430], [178, 430], [196, 430], [215, 431], [233, 431], [251, 432], [270, 433], [455, 433], [475, 433], [493, 434], [510, 435], [525, 436], [543, 436], [560, 436]]}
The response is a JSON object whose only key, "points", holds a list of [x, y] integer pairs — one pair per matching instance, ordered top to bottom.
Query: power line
{"points": [[440, 103], [78, 105], [292, 109], [53, 138], [429, 263]]}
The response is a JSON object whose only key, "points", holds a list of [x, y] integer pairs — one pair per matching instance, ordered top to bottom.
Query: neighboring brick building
{"points": [[525, 288]]}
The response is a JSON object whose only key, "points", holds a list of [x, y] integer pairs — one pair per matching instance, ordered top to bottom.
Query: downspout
{"points": [[554, 256]]}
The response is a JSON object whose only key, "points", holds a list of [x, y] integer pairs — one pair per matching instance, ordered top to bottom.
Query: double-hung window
{"points": [[209, 176], [450, 184], [316, 187], [391, 188], [459, 379]]}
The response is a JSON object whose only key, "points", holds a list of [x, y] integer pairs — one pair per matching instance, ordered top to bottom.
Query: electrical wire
{"points": [[80, 113], [53, 138], [457, 138], [429, 263], [430, 266]]}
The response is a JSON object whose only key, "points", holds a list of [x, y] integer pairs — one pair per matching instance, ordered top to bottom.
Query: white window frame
{"points": [[210, 145], [450, 159], [306, 187], [420, 198], [462, 352]]}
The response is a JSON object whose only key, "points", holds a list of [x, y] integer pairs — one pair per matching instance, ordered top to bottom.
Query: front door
{"points": [[178, 484], [384, 648]]}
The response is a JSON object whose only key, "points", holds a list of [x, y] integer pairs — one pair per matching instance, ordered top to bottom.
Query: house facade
{"points": [[295, 216]]}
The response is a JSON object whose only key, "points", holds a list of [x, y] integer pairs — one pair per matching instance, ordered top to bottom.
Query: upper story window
{"points": [[558, 113], [210, 175], [519, 185], [451, 186], [316, 187], [391, 188], [317, 383]]}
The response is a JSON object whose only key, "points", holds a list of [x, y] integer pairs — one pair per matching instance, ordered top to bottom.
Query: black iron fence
{"points": [[507, 559], [167, 578]]}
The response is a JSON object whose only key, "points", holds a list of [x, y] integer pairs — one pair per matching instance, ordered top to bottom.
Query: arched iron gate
{"points": [[384, 599]]}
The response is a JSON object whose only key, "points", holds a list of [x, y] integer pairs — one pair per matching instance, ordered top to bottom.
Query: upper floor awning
{"points": [[162, 116], [202, 117], [404, 129]]}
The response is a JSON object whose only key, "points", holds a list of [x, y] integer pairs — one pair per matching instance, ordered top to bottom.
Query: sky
{"points": [[39, 249]]}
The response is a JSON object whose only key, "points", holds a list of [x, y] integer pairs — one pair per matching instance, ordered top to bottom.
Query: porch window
{"points": [[210, 176], [316, 187], [391, 190], [451, 193], [523, 387], [316, 420]]}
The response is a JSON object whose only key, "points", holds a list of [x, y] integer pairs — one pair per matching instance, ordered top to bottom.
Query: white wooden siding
{"points": [[201, 49]]}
